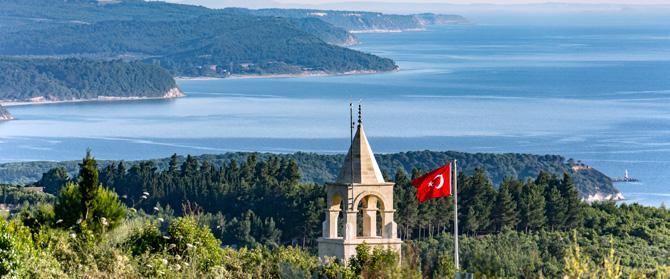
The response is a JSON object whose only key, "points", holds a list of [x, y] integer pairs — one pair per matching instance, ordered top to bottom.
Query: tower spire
{"points": [[360, 112]]}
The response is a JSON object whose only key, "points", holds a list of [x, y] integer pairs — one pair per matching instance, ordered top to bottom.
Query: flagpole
{"points": [[455, 189]]}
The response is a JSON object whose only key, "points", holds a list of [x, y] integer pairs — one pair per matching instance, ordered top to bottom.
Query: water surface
{"points": [[598, 94]]}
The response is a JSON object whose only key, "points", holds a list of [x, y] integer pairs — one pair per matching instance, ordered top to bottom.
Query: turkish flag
{"points": [[434, 184]]}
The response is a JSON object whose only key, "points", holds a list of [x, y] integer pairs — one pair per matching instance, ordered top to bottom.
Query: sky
{"points": [[499, 2], [482, 11]]}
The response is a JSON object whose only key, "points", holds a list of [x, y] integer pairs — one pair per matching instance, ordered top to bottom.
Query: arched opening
{"points": [[370, 217], [335, 218], [341, 221]]}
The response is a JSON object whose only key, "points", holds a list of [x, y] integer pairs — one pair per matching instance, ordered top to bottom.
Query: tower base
{"points": [[344, 249]]}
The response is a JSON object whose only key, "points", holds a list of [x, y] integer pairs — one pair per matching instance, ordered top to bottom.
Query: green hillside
{"points": [[186, 40], [70, 79]]}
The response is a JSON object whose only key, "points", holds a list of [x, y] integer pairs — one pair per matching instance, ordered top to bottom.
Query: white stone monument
{"points": [[359, 189]]}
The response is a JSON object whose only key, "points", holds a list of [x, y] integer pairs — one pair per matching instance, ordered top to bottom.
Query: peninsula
{"points": [[32, 81]]}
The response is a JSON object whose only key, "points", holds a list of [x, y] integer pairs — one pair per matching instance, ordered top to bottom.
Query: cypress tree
{"points": [[88, 182]]}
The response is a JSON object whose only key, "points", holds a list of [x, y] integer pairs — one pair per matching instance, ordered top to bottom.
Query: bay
{"points": [[600, 94]]}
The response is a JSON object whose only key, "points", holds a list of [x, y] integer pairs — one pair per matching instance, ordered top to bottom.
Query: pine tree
{"points": [[172, 167], [291, 173], [88, 183], [478, 199], [406, 205], [574, 206], [532, 207], [555, 208], [505, 212]]}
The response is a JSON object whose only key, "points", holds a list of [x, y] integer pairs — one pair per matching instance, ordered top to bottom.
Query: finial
{"points": [[359, 114]]}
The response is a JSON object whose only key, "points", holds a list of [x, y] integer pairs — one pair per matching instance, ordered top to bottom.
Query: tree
{"points": [[172, 165], [54, 179], [88, 183], [476, 200], [88, 204], [406, 204], [574, 206], [532, 207], [555, 208], [505, 212], [378, 263]]}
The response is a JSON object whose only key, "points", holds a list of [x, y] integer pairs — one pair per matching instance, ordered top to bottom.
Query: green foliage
{"points": [[69, 79], [317, 168], [54, 179], [88, 183], [19, 195], [87, 204], [258, 206], [532, 207], [505, 214], [190, 239], [20, 258], [378, 263]]}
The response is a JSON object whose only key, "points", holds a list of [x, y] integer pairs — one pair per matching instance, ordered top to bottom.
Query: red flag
{"points": [[434, 184]]}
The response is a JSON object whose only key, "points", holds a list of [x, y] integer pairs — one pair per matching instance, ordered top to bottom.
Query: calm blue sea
{"points": [[598, 94]]}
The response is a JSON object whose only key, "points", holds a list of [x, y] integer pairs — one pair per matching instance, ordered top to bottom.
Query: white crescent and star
{"points": [[441, 182]]}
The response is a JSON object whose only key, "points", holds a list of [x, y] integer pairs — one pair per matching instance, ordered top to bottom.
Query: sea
{"points": [[598, 94]]}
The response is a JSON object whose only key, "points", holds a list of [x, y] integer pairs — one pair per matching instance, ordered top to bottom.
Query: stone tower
{"points": [[361, 190]]}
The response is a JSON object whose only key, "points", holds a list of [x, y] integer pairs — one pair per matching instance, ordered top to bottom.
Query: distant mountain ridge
{"points": [[355, 21]]}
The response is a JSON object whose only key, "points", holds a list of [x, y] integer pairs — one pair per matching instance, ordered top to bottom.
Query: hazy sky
{"points": [[316, 2], [462, 7]]}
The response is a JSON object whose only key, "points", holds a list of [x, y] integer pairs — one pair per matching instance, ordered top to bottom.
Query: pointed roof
{"points": [[365, 168]]}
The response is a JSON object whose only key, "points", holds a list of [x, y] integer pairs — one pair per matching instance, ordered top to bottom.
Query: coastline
{"points": [[363, 31], [307, 74], [171, 94], [600, 197]]}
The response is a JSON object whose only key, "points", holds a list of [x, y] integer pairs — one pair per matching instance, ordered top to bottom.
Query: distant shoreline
{"points": [[364, 31], [296, 75], [171, 94]]}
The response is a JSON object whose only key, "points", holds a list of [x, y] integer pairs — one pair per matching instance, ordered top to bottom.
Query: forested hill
{"points": [[21, 15], [364, 21], [186, 40], [75, 79], [322, 168]]}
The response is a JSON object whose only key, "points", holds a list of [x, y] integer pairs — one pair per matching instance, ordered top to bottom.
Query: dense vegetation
{"points": [[20, 15], [363, 21], [203, 43], [68, 79], [318, 168], [523, 229]]}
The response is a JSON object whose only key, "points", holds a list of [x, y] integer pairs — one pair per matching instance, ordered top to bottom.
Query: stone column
{"points": [[370, 217], [330, 225], [350, 227], [390, 227]]}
